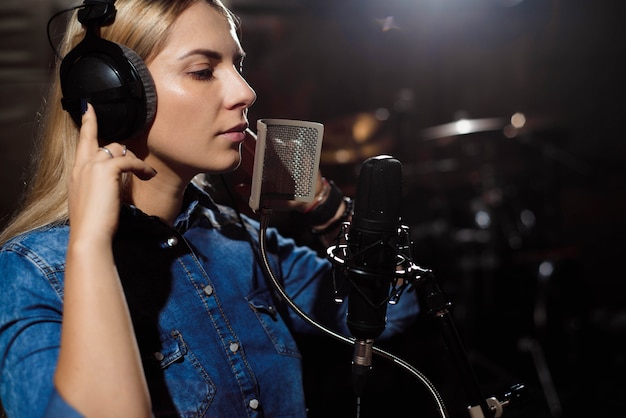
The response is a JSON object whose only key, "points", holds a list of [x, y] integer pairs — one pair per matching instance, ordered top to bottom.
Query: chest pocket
{"points": [[273, 323], [179, 385]]}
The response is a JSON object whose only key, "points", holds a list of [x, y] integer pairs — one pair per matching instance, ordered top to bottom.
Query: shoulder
{"points": [[44, 247]]}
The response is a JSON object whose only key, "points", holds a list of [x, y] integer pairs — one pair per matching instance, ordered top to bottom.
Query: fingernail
{"points": [[83, 106]]}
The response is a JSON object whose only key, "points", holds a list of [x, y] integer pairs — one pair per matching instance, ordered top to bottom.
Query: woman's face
{"points": [[202, 99]]}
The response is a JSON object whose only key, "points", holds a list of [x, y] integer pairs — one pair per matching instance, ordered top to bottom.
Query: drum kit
{"points": [[466, 169], [479, 186]]}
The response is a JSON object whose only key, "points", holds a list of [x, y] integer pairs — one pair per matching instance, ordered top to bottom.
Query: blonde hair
{"points": [[141, 25]]}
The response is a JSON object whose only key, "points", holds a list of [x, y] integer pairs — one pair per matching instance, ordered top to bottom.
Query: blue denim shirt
{"points": [[214, 339]]}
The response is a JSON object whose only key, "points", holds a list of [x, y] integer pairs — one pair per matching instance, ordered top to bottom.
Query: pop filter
{"points": [[286, 161]]}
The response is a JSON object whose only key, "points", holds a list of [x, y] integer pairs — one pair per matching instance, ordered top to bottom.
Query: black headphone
{"points": [[110, 76]]}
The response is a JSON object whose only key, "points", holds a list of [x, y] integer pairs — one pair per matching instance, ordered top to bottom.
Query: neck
{"points": [[157, 197]]}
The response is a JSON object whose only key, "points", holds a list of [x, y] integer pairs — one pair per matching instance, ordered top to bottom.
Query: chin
{"points": [[236, 162], [230, 164]]}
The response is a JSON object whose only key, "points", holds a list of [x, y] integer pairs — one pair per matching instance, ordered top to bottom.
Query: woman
{"points": [[158, 308]]}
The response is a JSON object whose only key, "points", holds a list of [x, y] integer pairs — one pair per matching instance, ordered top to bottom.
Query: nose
{"points": [[241, 93]]}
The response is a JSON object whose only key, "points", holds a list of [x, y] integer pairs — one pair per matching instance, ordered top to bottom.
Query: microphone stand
{"points": [[438, 306]]}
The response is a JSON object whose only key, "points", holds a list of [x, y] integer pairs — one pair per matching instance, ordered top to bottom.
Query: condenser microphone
{"points": [[286, 162], [371, 262]]}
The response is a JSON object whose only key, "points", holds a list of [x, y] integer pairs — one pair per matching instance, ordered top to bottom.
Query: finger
{"points": [[88, 137], [114, 150], [106, 151], [125, 160], [130, 163]]}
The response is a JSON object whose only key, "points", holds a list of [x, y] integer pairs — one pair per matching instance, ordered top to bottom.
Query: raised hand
{"points": [[95, 184]]}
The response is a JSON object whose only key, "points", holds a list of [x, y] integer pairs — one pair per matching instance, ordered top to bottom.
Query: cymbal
{"points": [[463, 127], [509, 127], [353, 138], [474, 152]]}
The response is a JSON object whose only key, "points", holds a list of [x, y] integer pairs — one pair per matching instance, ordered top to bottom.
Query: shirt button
{"points": [[170, 242], [208, 290], [234, 347], [158, 356], [254, 403]]}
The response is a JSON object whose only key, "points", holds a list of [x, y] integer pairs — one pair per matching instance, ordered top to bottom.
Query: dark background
{"points": [[537, 281]]}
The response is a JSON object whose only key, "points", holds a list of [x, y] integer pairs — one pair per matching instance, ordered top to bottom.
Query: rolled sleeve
{"points": [[58, 408]]}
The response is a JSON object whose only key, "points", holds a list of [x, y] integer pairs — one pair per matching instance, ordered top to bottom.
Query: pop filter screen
{"points": [[286, 162]]}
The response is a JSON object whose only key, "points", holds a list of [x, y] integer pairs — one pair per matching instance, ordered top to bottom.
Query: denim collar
{"points": [[194, 200]]}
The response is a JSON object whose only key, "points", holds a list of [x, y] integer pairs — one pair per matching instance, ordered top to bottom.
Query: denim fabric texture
{"points": [[214, 339]]}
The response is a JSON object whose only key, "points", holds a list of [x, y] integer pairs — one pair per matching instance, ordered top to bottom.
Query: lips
{"points": [[238, 128], [236, 133]]}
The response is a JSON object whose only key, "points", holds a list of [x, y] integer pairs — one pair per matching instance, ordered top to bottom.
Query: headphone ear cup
{"points": [[117, 83], [149, 90]]}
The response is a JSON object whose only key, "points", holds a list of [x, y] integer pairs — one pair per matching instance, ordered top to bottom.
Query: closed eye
{"points": [[202, 75]]}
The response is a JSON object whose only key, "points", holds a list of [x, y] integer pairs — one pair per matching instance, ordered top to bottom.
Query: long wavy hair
{"points": [[141, 25]]}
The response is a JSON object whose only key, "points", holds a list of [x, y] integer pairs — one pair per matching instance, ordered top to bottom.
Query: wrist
{"points": [[320, 196], [325, 208], [343, 214]]}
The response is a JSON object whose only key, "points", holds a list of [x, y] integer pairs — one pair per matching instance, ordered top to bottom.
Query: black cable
{"points": [[52, 18], [262, 259]]}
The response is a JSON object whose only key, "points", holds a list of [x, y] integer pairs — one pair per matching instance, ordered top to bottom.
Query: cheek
{"points": [[176, 111], [173, 127]]}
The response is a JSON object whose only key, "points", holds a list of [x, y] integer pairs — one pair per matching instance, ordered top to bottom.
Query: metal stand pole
{"points": [[438, 306]]}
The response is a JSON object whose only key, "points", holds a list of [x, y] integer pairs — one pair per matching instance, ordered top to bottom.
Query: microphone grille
{"points": [[286, 161]]}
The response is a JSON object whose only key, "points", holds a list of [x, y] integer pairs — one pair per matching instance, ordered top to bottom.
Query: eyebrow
{"points": [[209, 53]]}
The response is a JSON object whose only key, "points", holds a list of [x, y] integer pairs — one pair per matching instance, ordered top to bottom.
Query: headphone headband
{"points": [[96, 13]]}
